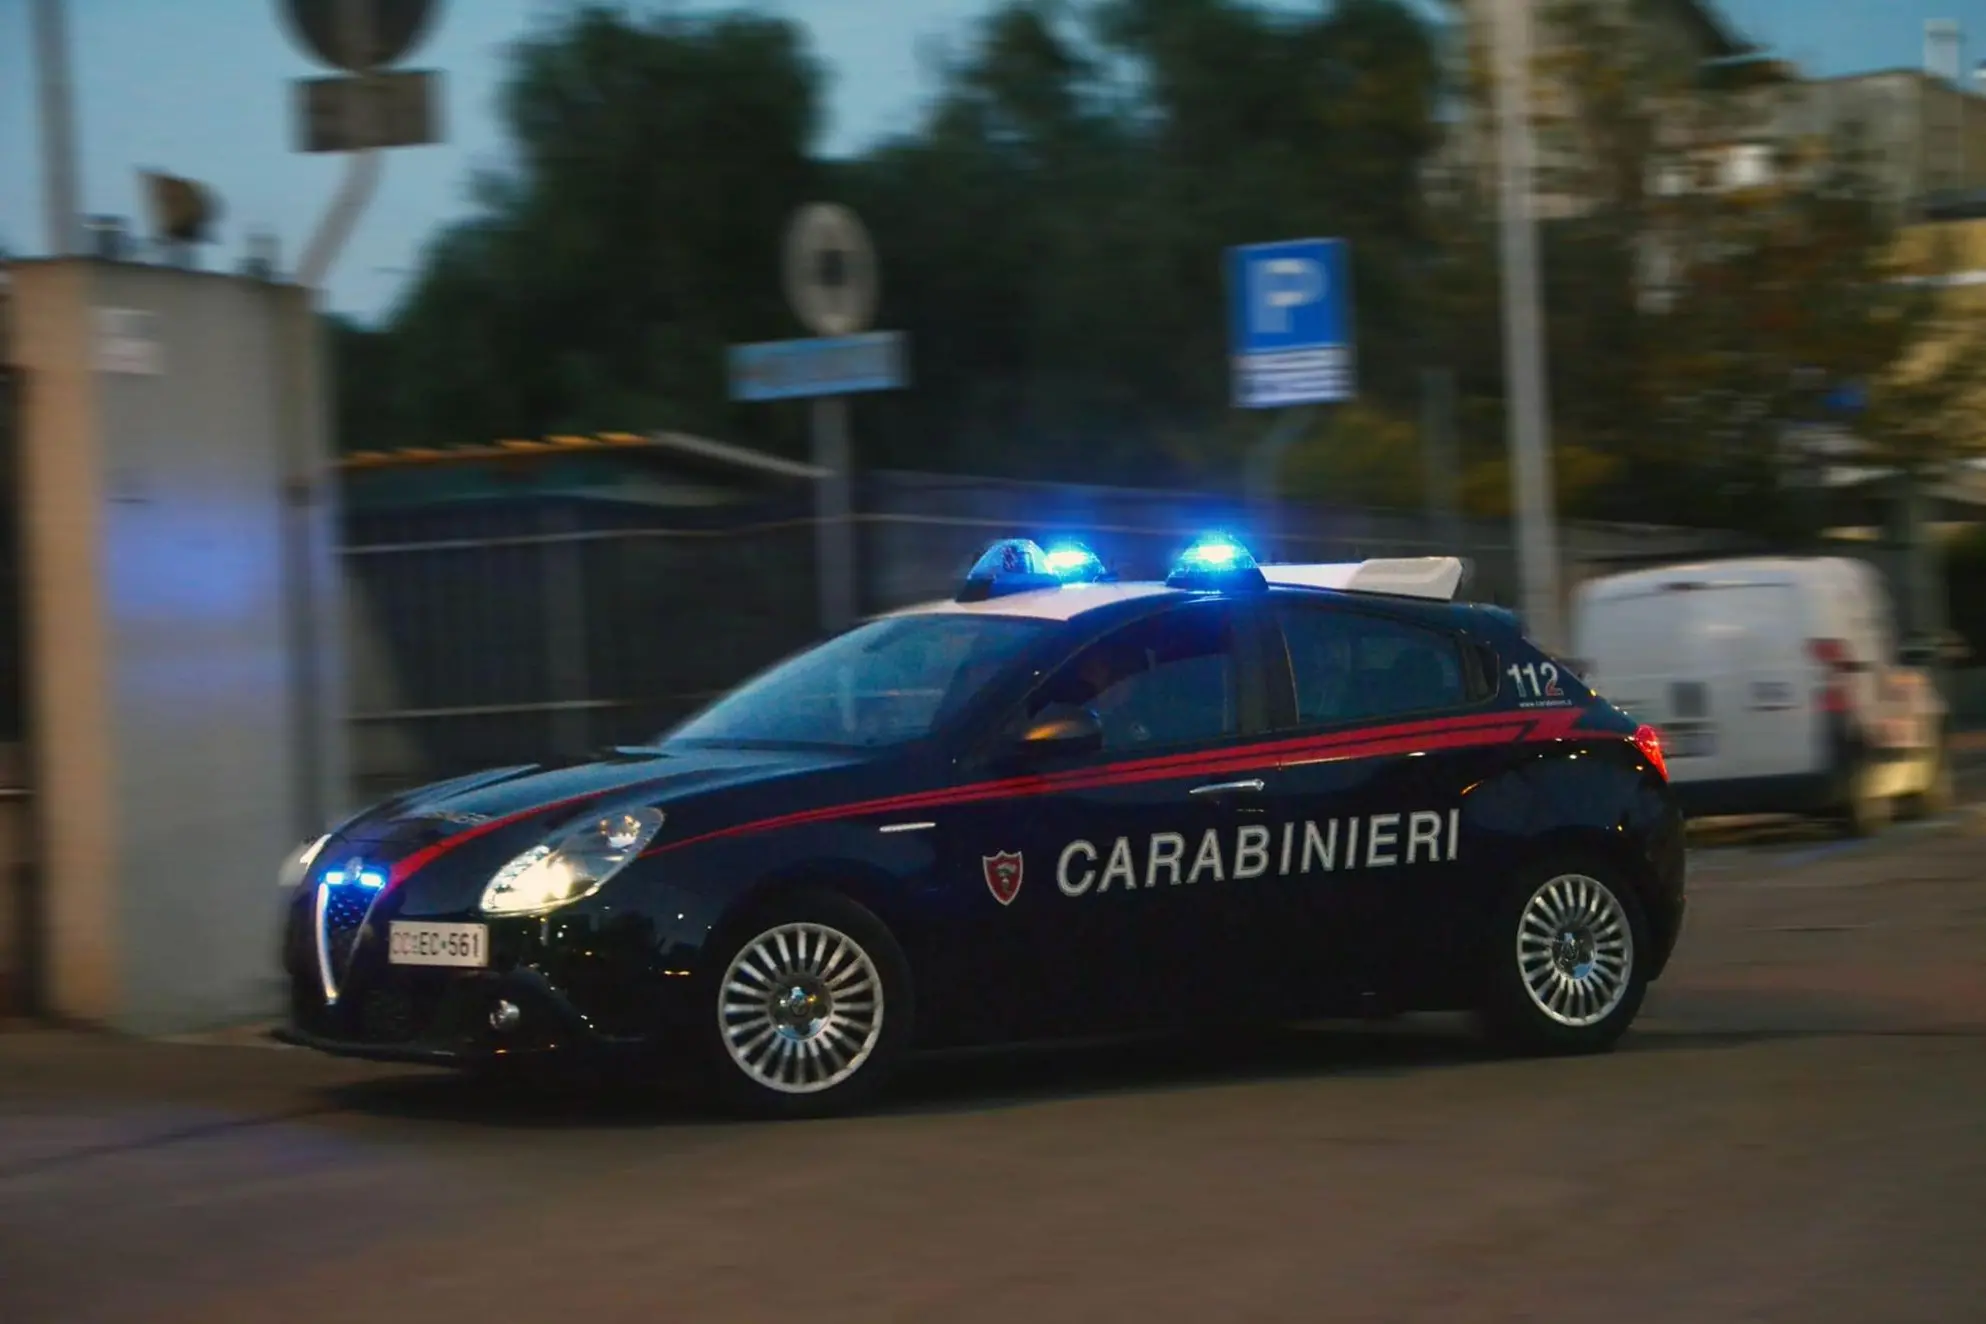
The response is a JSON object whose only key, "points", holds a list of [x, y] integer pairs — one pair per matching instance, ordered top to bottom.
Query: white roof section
{"points": [[1436, 577], [1043, 604]]}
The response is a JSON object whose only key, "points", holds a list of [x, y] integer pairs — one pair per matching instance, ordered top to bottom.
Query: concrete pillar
{"points": [[184, 721]]}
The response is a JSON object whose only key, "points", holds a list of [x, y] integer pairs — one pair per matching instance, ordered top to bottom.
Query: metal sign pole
{"points": [[58, 127], [362, 168], [362, 171], [361, 174], [829, 270], [1523, 342], [1439, 456], [1265, 474], [834, 529]]}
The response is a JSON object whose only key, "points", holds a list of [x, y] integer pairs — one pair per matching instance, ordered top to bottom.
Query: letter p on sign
{"points": [[1280, 285]]}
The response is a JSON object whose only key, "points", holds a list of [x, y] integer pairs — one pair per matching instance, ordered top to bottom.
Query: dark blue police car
{"points": [[1056, 805]]}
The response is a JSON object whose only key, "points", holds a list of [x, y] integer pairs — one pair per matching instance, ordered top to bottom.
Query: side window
{"points": [[1349, 666], [1167, 680]]}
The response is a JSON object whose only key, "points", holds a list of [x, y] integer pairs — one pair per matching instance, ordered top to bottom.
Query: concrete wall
{"points": [[167, 509]]}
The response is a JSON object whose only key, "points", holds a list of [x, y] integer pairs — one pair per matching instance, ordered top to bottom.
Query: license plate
{"points": [[466, 945]]}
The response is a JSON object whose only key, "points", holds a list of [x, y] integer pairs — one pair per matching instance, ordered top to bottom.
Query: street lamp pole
{"points": [[58, 128], [1527, 413]]}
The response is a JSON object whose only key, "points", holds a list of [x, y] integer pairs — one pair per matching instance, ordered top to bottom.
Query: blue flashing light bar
{"points": [[1214, 562], [1073, 563], [1012, 565], [370, 879]]}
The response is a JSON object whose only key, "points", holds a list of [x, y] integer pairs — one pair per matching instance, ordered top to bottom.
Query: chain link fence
{"points": [[503, 631]]}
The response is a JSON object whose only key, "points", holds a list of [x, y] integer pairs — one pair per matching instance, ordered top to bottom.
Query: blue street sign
{"points": [[1290, 323], [831, 365]]}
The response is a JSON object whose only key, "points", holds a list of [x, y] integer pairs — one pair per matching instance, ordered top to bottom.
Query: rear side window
{"points": [[1349, 666]]}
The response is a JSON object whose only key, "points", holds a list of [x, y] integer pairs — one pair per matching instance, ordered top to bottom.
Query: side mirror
{"points": [[1060, 731]]}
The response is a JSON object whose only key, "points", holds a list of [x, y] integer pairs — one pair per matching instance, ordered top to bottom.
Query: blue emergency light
{"points": [[1073, 563], [1214, 563], [1012, 565], [1019, 565]]}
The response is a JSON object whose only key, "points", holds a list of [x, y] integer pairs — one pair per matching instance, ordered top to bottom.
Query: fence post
{"points": [[1440, 459], [565, 629]]}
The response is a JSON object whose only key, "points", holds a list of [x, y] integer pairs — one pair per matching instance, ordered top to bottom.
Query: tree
{"points": [[1055, 227], [1050, 231], [635, 237], [1702, 299]]}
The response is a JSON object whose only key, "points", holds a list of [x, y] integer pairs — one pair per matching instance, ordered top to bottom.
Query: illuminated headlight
{"points": [[296, 865], [574, 865]]}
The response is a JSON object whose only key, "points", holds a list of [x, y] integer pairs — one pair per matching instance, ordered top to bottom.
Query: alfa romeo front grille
{"points": [[341, 909]]}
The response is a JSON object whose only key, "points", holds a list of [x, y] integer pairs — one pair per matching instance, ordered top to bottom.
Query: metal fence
{"points": [[499, 631], [504, 632]]}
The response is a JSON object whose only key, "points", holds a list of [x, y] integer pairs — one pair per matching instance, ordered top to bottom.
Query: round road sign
{"points": [[358, 36], [830, 270]]}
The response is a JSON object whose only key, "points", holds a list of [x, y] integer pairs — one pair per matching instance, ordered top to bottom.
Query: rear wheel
{"points": [[1937, 796], [1864, 811], [1566, 961], [812, 1010]]}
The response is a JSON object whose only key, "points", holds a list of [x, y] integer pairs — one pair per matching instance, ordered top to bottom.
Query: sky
{"points": [[200, 88]]}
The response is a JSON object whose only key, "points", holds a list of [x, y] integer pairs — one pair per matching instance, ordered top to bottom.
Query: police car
{"points": [[1056, 805]]}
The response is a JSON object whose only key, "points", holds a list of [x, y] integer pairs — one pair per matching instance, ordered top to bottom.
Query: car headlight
{"points": [[296, 865], [574, 865]]}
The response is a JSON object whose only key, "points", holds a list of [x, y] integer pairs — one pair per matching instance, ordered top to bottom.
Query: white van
{"points": [[1775, 683]]}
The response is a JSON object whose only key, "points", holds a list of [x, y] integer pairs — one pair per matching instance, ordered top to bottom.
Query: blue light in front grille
{"points": [[370, 879]]}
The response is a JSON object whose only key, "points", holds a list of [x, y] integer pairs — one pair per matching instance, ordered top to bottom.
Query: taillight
{"points": [[1832, 654], [1649, 741]]}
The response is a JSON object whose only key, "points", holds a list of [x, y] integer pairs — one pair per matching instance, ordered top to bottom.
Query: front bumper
{"points": [[446, 1018]]}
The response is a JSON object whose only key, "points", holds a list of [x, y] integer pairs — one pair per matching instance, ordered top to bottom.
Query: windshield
{"points": [[885, 683]]}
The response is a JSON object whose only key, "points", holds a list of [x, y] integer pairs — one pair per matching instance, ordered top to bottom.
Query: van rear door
{"points": [[1643, 651], [1716, 668], [1765, 721]]}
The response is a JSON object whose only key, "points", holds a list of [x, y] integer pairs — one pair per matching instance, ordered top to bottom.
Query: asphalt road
{"points": [[1796, 1131]]}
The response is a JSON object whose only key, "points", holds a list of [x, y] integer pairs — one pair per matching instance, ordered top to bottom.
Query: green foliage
{"points": [[1050, 231], [635, 237], [1692, 331]]}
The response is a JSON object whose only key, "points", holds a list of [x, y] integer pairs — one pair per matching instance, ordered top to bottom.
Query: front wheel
{"points": [[1566, 962], [812, 1011]]}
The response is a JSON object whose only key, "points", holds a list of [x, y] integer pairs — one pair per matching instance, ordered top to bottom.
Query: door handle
{"points": [[1228, 788]]}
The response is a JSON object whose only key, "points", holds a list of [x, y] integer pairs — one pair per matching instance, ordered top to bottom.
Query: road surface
{"points": [[1795, 1132]]}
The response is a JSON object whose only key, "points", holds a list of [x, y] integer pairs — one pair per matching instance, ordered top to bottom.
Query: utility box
{"points": [[184, 675]]}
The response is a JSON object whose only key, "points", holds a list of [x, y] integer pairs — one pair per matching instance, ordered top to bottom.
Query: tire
{"points": [[1937, 796], [1863, 813], [1599, 904], [807, 1009]]}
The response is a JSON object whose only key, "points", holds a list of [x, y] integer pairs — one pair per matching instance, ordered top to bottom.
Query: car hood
{"points": [[490, 810]]}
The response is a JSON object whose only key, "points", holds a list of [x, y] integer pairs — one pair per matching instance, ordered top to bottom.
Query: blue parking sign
{"points": [[1290, 323]]}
